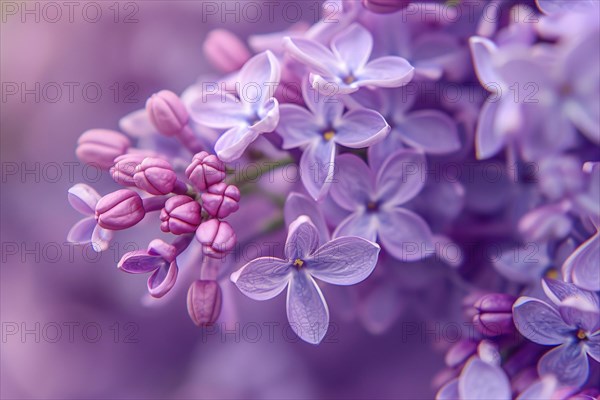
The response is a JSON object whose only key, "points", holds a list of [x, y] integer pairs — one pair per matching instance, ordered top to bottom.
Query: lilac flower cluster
{"points": [[392, 115]]}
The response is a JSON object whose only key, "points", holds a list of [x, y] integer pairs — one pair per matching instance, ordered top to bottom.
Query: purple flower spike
{"points": [[225, 50], [345, 67], [167, 113], [249, 114], [319, 130], [101, 146], [124, 169], [205, 170], [155, 176], [84, 199], [221, 200], [376, 200], [119, 210], [180, 215], [217, 238], [158, 259], [342, 261], [204, 302], [494, 314], [574, 327]]}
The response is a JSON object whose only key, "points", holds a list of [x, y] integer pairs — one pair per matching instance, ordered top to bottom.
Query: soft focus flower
{"points": [[385, 6], [225, 50], [346, 67], [167, 113], [247, 114], [318, 130], [101, 146], [375, 201], [342, 261], [204, 302], [494, 314], [573, 323]]}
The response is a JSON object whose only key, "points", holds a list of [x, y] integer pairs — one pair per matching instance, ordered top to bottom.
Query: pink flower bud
{"points": [[385, 6], [225, 50], [167, 112], [101, 147], [124, 169], [205, 170], [155, 176], [221, 200], [120, 210], [180, 215], [217, 237], [204, 302]]}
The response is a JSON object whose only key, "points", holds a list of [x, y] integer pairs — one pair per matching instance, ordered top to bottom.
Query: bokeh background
{"points": [[73, 326]]}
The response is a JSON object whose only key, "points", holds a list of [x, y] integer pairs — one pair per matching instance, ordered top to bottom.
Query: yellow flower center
{"points": [[349, 79], [328, 135], [298, 263], [552, 274], [581, 334]]}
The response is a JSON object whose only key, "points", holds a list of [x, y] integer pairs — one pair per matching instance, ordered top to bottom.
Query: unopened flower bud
{"points": [[385, 6], [225, 50], [167, 112], [101, 147], [124, 169], [205, 170], [155, 176], [221, 200], [120, 210], [180, 215], [217, 237], [204, 302], [494, 314]]}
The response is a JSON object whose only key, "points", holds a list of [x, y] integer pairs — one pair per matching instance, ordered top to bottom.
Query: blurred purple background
{"points": [[73, 326]]}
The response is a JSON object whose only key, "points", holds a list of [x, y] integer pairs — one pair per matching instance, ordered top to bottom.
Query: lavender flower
{"points": [[346, 67], [247, 114], [318, 130], [84, 199], [375, 200], [342, 261], [573, 323]]}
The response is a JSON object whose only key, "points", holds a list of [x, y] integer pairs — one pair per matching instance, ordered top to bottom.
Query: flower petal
{"points": [[353, 45], [483, 51], [317, 57], [389, 71], [259, 78], [219, 110], [296, 126], [360, 128], [430, 130], [487, 142], [232, 144], [317, 167], [401, 177], [354, 182], [83, 198], [298, 204], [361, 224], [81, 232], [405, 235], [101, 238], [302, 239], [344, 261], [140, 262], [583, 264], [262, 278], [163, 280], [558, 291], [307, 310], [577, 311], [539, 322], [592, 346], [568, 362], [480, 380], [449, 391]]}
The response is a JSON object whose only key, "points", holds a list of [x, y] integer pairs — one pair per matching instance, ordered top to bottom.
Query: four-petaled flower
{"points": [[346, 67], [250, 112], [319, 129], [376, 198], [342, 261], [573, 324]]}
